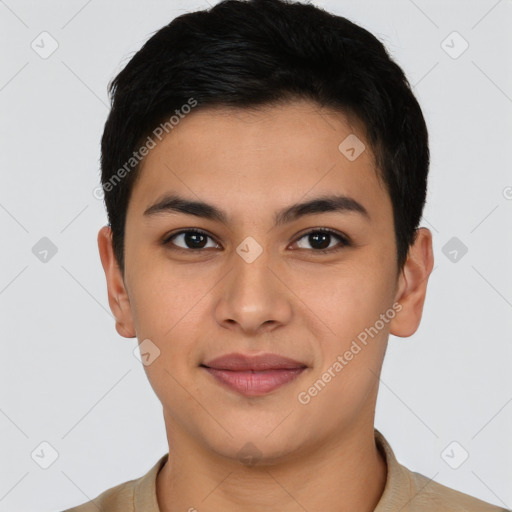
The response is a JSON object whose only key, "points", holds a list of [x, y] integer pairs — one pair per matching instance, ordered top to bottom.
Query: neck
{"points": [[349, 474]]}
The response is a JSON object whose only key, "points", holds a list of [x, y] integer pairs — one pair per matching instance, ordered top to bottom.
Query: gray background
{"points": [[68, 379]]}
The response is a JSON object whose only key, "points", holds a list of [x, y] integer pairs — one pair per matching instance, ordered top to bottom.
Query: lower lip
{"points": [[255, 383]]}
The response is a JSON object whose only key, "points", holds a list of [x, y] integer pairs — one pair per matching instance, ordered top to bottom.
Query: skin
{"points": [[293, 300]]}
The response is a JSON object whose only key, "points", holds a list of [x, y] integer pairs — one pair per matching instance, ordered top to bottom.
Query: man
{"points": [[265, 169]]}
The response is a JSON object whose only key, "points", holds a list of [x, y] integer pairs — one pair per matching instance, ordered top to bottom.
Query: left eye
{"points": [[320, 239]]}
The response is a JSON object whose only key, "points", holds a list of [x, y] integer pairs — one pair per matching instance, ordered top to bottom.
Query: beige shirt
{"points": [[405, 491]]}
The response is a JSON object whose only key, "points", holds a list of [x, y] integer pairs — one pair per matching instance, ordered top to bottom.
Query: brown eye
{"points": [[190, 239], [321, 240]]}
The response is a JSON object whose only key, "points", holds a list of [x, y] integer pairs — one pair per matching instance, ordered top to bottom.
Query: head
{"points": [[241, 113]]}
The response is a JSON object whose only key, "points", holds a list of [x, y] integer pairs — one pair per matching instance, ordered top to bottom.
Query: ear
{"points": [[412, 285], [117, 296]]}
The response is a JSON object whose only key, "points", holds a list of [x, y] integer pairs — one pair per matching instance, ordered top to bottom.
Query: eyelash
{"points": [[345, 241]]}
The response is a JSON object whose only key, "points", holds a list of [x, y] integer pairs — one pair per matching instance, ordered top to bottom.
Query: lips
{"points": [[262, 362], [253, 375]]}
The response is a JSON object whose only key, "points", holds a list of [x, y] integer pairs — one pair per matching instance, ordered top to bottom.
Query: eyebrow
{"points": [[174, 203]]}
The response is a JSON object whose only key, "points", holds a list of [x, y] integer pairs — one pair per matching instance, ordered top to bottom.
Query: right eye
{"points": [[193, 240]]}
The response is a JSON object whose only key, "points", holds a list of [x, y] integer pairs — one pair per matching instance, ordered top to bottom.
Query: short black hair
{"points": [[256, 53]]}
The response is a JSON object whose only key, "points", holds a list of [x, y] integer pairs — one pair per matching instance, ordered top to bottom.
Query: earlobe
{"points": [[412, 287], [117, 295]]}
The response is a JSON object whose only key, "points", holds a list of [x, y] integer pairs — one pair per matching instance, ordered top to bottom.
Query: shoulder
{"points": [[409, 491], [138, 494], [430, 496], [120, 498]]}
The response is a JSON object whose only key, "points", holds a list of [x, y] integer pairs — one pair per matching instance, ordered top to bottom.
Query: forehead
{"points": [[264, 159]]}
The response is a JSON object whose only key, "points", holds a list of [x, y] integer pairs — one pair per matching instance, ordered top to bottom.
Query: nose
{"points": [[252, 298]]}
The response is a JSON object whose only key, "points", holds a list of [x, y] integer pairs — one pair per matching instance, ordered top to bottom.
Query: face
{"points": [[248, 284]]}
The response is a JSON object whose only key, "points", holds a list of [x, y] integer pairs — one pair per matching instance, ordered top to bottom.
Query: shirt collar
{"points": [[397, 491], [144, 499]]}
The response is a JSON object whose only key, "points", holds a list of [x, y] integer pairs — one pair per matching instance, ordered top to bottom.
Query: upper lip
{"points": [[241, 362]]}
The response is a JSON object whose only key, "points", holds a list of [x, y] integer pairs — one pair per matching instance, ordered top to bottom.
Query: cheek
{"points": [[346, 300], [350, 302], [165, 305], [168, 311], [352, 349]]}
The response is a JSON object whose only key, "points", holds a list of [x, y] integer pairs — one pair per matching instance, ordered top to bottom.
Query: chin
{"points": [[256, 447]]}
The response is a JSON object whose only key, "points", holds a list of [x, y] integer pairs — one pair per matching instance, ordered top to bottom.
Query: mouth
{"points": [[254, 375]]}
